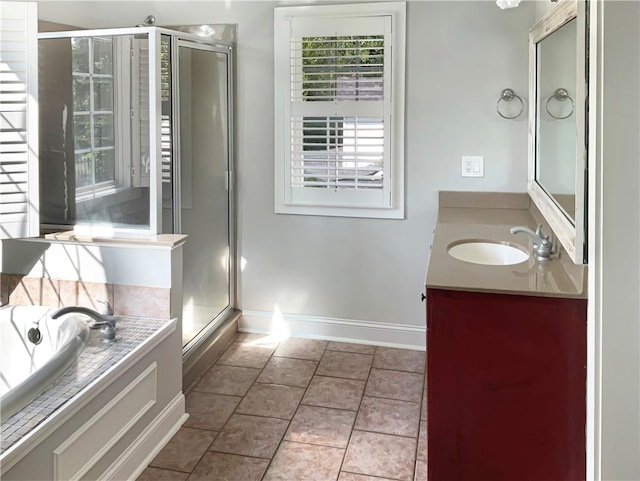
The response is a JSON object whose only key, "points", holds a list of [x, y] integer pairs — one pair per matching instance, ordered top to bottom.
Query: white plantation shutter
{"points": [[18, 120], [141, 141], [338, 147]]}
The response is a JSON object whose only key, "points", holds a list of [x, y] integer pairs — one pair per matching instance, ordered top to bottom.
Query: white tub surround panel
{"points": [[120, 418]]}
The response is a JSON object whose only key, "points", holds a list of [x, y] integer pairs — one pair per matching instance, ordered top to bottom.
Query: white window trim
{"points": [[282, 16], [121, 126]]}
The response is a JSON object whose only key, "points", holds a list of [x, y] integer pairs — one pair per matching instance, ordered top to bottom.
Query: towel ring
{"points": [[508, 95], [560, 95]]}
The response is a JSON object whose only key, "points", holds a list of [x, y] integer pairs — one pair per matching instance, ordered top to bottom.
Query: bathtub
{"points": [[27, 369], [108, 414]]}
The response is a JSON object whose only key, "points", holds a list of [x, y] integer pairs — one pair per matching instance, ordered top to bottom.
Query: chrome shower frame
{"points": [[189, 40]]}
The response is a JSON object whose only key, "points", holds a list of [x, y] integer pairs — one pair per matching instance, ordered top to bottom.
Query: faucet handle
{"points": [[539, 232], [106, 310]]}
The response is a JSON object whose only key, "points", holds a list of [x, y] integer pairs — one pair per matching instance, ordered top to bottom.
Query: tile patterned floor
{"points": [[302, 410]]}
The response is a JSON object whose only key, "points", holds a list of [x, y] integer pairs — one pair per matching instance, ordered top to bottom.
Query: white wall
{"points": [[542, 7], [460, 57], [615, 254], [140, 266]]}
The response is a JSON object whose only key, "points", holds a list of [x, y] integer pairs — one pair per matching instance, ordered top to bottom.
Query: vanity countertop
{"points": [[558, 277]]}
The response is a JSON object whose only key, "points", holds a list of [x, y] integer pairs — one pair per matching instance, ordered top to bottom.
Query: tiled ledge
{"points": [[158, 240], [127, 300]]}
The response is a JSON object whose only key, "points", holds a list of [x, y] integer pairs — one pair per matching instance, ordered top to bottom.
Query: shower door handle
{"points": [[228, 180]]}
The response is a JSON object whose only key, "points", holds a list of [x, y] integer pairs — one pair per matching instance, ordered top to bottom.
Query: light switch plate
{"points": [[472, 166]]}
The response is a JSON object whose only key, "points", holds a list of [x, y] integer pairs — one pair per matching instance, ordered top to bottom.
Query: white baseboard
{"points": [[331, 329], [141, 452]]}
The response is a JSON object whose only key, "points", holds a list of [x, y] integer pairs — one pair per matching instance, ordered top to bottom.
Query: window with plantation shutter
{"points": [[339, 79], [18, 120]]}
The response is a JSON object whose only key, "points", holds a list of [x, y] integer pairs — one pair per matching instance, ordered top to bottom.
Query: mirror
{"points": [[555, 117], [557, 150]]}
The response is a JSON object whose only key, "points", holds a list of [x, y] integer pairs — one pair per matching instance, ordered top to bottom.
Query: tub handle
{"points": [[106, 310]]}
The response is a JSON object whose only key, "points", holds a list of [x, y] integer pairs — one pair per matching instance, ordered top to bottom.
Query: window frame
{"points": [[121, 122], [347, 203]]}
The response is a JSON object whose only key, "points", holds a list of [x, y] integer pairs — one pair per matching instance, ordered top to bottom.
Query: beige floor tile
{"points": [[249, 339], [351, 347], [311, 349], [241, 355], [400, 359], [345, 364], [290, 372], [230, 380], [192, 386], [405, 386], [336, 393], [271, 400], [209, 411], [423, 414], [389, 416], [324, 426], [376, 435], [250, 436], [422, 442], [184, 450], [380, 455], [304, 462], [228, 467], [421, 471], [157, 474], [344, 476]]}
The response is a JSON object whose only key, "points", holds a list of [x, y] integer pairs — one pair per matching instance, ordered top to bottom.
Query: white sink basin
{"points": [[487, 253]]}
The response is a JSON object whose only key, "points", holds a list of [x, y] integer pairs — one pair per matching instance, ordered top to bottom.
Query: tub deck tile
{"points": [[96, 358]]}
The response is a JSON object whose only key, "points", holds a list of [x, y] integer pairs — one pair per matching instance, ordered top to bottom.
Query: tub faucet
{"points": [[541, 243], [106, 321]]}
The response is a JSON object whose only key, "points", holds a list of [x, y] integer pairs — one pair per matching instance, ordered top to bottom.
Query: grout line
{"points": [[297, 358], [398, 370], [193, 385], [395, 399], [300, 403], [234, 409], [296, 411], [355, 421], [386, 434], [177, 471]]}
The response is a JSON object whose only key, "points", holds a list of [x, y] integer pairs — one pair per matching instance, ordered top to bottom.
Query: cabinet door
{"points": [[506, 387]]}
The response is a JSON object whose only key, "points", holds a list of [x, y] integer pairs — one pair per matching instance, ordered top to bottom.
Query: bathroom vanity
{"points": [[506, 352]]}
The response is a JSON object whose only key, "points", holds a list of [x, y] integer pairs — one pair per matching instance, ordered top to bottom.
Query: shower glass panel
{"points": [[94, 131], [136, 139], [204, 163]]}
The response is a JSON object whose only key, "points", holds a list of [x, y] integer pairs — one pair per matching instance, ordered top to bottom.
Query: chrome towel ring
{"points": [[508, 95], [561, 95]]}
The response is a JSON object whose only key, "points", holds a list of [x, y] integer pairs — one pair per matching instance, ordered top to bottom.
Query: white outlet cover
{"points": [[472, 166]]}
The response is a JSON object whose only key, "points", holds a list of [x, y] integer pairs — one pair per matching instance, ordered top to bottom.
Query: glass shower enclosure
{"points": [[136, 139]]}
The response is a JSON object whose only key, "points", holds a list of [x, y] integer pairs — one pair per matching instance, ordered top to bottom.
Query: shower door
{"points": [[204, 210]]}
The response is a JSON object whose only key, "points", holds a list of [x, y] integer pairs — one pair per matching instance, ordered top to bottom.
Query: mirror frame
{"points": [[570, 234]]}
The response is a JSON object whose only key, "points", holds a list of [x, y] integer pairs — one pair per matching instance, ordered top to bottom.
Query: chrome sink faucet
{"points": [[541, 243], [105, 320]]}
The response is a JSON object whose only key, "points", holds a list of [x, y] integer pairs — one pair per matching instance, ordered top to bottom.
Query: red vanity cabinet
{"points": [[506, 389]]}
